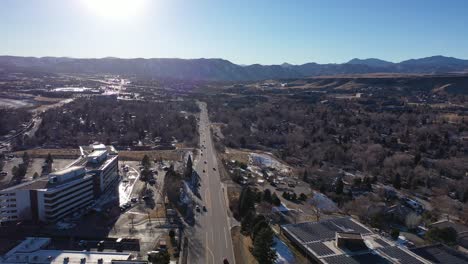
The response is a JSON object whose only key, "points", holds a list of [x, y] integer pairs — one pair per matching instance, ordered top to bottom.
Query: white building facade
{"points": [[64, 192]]}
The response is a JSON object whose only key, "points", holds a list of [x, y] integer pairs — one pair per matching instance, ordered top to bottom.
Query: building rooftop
{"points": [[100, 155], [65, 171], [62, 178], [41, 183], [460, 228], [324, 230], [346, 241], [34, 250], [441, 254]]}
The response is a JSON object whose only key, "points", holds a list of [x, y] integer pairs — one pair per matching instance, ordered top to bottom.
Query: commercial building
{"points": [[65, 192], [345, 240], [38, 250], [442, 254]]}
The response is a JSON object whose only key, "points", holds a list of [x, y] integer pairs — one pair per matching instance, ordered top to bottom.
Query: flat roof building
{"points": [[63, 192], [345, 240], [36, 250]]}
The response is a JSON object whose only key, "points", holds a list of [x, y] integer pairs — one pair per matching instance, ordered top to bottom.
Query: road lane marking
{"points": [[225, 237], [206, 246], [208, 249]]}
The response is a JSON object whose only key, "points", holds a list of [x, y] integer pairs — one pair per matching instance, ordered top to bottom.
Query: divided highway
{"points": [[210, 237]]}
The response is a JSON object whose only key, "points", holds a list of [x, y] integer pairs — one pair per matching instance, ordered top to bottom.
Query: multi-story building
{"points": [[64, 192], [39, 250]]}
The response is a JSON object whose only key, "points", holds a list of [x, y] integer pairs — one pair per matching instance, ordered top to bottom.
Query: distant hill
{"points": [[371, 62], [223, 70]]}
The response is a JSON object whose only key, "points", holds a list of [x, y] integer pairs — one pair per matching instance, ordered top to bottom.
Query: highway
{"points": [[210, 237]]}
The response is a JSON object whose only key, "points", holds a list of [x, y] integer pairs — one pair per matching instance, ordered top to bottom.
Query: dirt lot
{"points": [[56, 153], [153, 154], [233, 154], [123, 155], [242, 246]]}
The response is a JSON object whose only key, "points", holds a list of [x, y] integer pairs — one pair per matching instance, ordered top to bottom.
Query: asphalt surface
{"points": [[210, 238]]}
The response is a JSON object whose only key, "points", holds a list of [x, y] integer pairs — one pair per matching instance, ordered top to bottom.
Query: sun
{"points": [[116, 9]]}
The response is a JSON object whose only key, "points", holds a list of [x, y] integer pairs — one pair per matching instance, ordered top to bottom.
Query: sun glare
{"points": [[116, 9]]}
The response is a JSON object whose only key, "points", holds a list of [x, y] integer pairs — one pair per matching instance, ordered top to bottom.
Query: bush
{"points": [[302, 197], [275, 200], [172, 233], [395, 233], [446, 235]]}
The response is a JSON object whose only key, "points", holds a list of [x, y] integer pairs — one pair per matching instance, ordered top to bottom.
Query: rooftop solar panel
{"points": [[347, 225], [325, 230], [382, 242], [320, 249], [441, 254], [400, 255], [340, 259]]}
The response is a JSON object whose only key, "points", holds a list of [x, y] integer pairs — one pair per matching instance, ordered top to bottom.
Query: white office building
{"points": [[64, 192]]}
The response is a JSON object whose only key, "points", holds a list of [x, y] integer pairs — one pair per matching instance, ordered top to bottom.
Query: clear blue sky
{"points": [[242, 31]]}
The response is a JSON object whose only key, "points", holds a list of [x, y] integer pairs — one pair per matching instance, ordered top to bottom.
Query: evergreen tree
{"points": [[26, 158], [417, 158], [49, 159], [145, 162], [189, 167], [305, 176], [397, 181], [339, 186], [267, 196], [302, 197], [275, 200], [246, 201], [247, 221], [258, 227], [263, 249]]}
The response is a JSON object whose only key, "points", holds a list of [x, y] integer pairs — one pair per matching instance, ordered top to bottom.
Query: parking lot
{"points": [[142, 211]]}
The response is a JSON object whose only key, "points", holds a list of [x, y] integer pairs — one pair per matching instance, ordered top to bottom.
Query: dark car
{"points": [[214, 169], [204, 208]]}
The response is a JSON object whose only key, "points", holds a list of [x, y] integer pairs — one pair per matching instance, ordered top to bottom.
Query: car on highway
{"points": [[204, 162], [214, 169], [203, 171], [204, 209], [225, 261]]}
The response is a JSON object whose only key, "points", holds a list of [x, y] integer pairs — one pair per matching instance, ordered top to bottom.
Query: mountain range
{"points": [[224, 70]]}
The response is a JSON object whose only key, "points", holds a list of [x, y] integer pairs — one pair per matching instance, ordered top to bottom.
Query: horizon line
{"points": [[239, 64]]}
